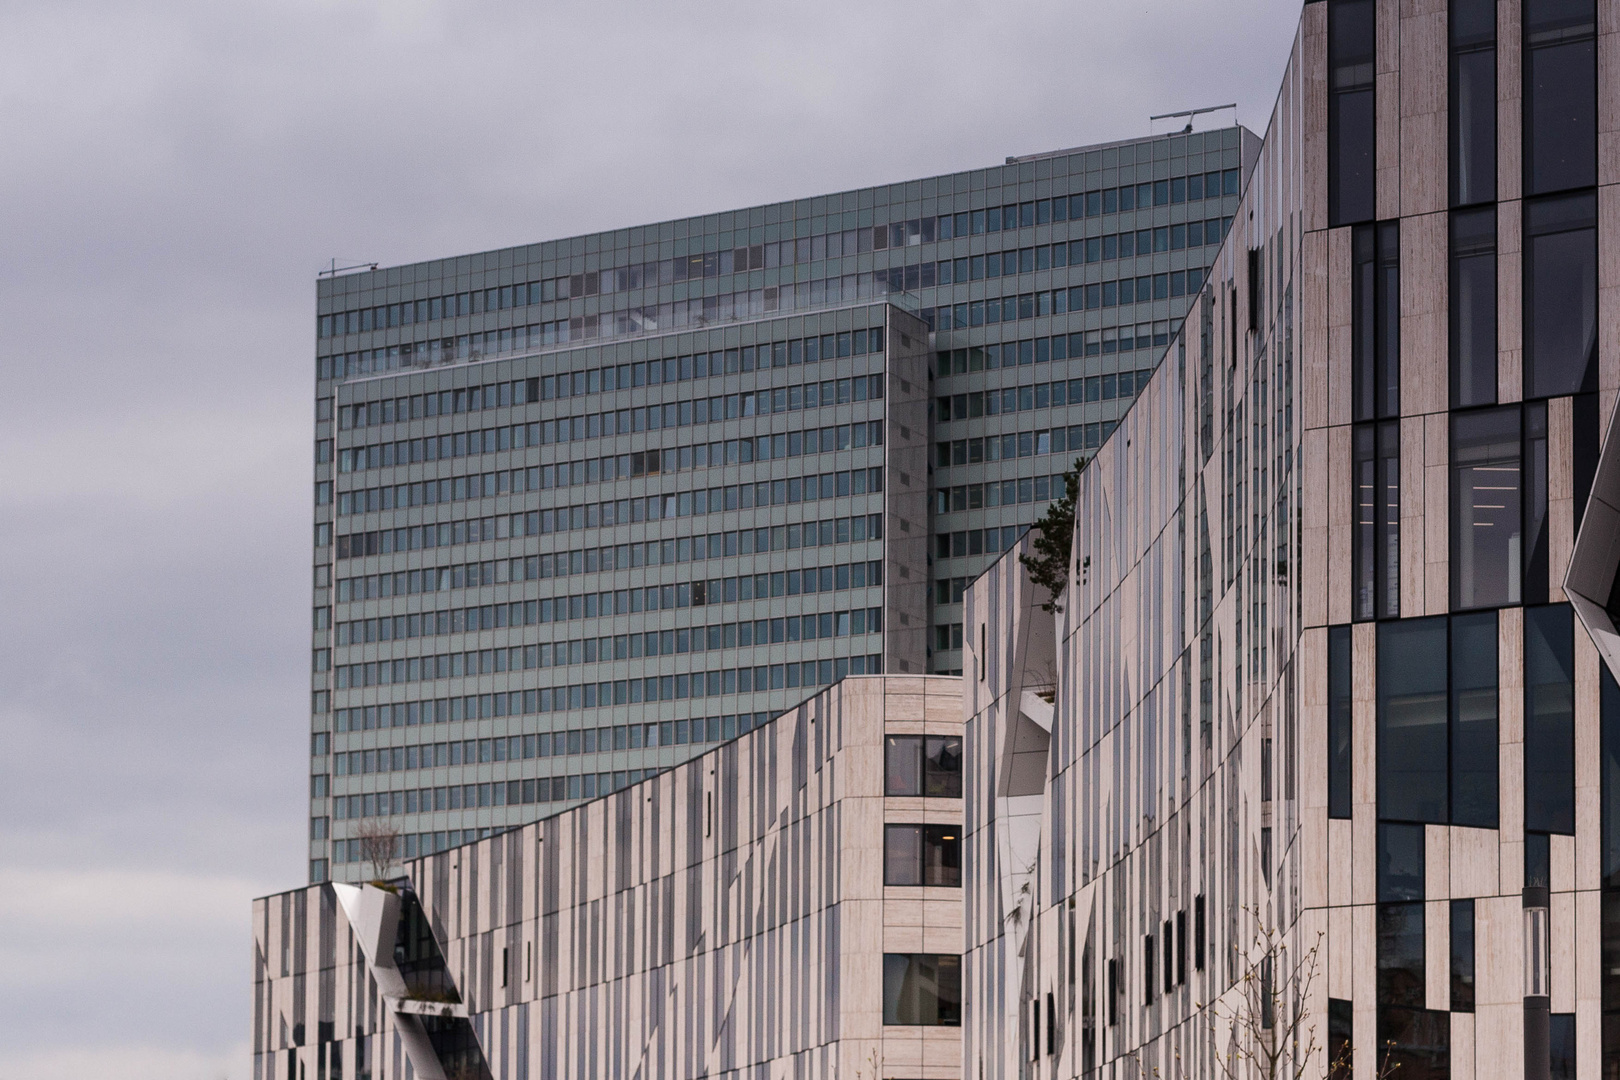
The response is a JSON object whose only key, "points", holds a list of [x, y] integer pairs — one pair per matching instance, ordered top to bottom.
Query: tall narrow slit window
{"points": [[1472, 26], [1352, 58], [1560, 95], [1560, 295], [1473, 307], [1375, 341], [1535, 503], [1486, 524], [1376, 541], [1549, 719], [1412, 720], [1474, 746], [1340, 753]]}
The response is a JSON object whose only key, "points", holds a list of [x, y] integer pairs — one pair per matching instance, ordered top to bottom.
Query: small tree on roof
{"points": [[1049, 565]]}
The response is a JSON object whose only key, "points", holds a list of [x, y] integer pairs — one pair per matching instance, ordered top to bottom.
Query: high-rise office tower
{"points": [[585, 506]]}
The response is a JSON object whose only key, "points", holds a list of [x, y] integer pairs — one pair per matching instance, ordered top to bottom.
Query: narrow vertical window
{"points": [[1472, 26], [1352, 56], [1560, 95], [1560, 295], [1473, 307], [1375, 345], [1535, 503], [1485, 504], [1376, 540], [1549, 719], [1412, 720], [1339, 722], [1474, 749], [1609, 773], [1462, 956], [1341, 1038]]}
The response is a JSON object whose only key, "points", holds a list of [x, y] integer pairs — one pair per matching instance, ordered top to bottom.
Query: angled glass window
{"points": [[1560, 295], [1473, 307], [1412, 720]]}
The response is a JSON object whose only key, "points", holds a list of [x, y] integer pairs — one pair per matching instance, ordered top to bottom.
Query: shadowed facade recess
{"points": [[586, 507]]}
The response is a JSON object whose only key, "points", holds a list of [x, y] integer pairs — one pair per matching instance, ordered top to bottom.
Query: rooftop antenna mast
{"points": [[1190, 113], [335, 269]]}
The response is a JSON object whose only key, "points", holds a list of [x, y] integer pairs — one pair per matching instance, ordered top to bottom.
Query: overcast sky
{"points": [[172, 176]]}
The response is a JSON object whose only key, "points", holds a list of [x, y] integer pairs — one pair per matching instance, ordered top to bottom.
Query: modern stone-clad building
{"points": [[587, 507], [1320, 757], [786, 904]]}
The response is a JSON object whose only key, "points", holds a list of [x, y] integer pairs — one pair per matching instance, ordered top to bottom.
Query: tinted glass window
{"points": [[1472, 26], [1560, 95], [1351, 115], [1560, 295], [1473, 307], [1485, 510], [1609, 708], [1549, 719], [1412, 720], [1339, 721], [1474, 750], [902, 765], [943, 766], [902, 855], [1400, 862], [1400, 955], [1462, 956], [922, 989]]}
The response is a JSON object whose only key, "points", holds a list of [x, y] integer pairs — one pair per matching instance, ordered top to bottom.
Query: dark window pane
{"points": [[1472, 26], [1351, 56], [1560, 95], [1560, 296], [1473, 307], [1363, 322], [1535, 503], [1485, 519], [1376, 541], [1549, 719], [1412, 720], [1339, 722], [1474, 751], [902, 765], [943, 767], [1609, 770], [902, 854], [942, 856], [1400, 862], [1400, 955], [1462, 956], [1611, 962], [922, 988], [1341, 1038], [1415, 1043], [1561, 1046]]}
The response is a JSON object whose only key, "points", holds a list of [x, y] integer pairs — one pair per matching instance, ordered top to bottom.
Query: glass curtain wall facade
{"points": [[586, 506]]}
